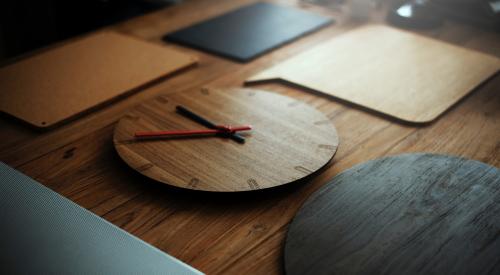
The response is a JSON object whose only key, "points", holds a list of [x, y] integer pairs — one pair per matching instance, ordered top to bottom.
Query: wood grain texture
{"points": [[426, 76], [55, 85], [289, 141], [407, 214], [238, 233]]}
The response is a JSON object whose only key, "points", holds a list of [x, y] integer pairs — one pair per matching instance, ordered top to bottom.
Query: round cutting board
{"points": [[289, 140], [408, 214]]}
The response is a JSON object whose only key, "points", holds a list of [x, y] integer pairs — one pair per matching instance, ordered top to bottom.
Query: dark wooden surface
{"points": [[289, 140], [407, 214], [244, 233]]}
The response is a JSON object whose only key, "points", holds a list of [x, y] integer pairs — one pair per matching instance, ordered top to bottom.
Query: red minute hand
{"points": [[221, 129]]}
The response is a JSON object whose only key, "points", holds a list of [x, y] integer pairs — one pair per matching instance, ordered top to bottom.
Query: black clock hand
{"points": [[197, 118]]}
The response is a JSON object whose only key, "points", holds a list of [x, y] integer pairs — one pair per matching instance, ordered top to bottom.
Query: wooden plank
{"points": [[427, 76], [61, 83], [289, 140], [407, 214], [195, 228], [221, 234]]}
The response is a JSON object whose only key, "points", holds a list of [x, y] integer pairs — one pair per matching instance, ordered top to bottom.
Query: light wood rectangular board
{"points": [[398, 73], [58, 84]]}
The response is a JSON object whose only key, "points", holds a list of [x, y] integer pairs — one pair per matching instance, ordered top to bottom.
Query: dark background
{"points": [[26, 25]]}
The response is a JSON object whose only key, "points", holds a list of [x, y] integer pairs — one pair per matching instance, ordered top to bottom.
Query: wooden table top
{"points": [[242, 233]]}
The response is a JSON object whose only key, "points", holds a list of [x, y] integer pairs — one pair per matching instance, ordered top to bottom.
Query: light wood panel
{"points": [[391, 71], [60, 83], [289, 140], [407, 214]]}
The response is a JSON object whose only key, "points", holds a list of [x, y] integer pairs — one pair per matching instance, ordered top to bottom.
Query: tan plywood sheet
{"points": [[398, 73], [61, 83]]}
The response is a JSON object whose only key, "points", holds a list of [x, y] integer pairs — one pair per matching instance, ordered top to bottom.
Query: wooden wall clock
{"points": [[289, 140]]}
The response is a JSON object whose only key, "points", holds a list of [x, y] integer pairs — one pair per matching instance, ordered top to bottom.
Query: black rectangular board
{"points": [[250, 31]]}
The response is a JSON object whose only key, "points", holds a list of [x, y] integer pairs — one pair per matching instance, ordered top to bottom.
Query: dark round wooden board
{"points": [[289, 140], [407, 214]]}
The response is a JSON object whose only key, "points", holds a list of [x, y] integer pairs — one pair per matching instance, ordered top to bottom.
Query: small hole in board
{"points": [[43, 123]]}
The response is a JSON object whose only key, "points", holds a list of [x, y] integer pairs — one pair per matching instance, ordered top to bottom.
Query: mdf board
{"points": [[250, 31], [397, 73], [58, 84], [289, 141], [406, 214]]}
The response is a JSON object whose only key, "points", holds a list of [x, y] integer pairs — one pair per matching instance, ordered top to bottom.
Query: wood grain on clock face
{"points": [[289, 140]]}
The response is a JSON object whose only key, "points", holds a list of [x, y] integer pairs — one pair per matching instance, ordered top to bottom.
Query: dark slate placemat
{"points": [[250, 31], [407, 214]]}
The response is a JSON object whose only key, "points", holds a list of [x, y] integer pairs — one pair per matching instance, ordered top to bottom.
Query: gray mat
{"points": [[407, 214], [44, 233]]}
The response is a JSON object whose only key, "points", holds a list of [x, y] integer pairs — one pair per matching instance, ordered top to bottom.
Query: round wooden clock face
{"points": [[289, 140], [407, 214]]}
